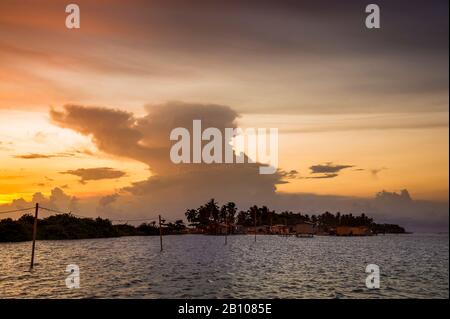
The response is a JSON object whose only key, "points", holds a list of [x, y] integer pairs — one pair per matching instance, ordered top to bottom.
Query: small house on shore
{"points": [[304, 228], [219, 229], [259, 229], [279, 229], [353, 231]]}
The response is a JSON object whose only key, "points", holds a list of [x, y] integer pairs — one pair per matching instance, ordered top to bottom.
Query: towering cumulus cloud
{"points": [[146, 139]]}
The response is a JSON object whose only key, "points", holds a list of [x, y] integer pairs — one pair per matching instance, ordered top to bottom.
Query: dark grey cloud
{"points": [[323, 26], [324, 40], [328, 168], [97, 173]]}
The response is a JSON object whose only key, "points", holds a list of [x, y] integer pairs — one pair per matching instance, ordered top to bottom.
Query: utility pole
{"points": [[270, 217], [160, 233], [34, 234]]}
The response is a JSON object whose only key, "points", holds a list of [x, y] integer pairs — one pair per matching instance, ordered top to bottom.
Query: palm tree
{"points": [[230, 210], [213, 211], [254, 213], [223, 214], [192, 215]]}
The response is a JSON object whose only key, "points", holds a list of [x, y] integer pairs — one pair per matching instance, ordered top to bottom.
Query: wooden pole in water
{"points": [[255, 225], [226, 231], [160, 233], [34, 234]]}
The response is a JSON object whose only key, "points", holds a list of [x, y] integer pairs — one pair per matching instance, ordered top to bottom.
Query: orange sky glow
{"points": [[338, 97]]}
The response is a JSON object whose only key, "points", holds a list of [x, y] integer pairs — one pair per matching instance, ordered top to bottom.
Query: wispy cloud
{"points": [[69, 153], [40, 156], [328, 168], [324, 171], [98, 173], [289, 174], [329, 175]]}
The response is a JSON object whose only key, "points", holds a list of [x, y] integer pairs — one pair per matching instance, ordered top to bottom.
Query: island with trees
{"points": [[209, 219]]}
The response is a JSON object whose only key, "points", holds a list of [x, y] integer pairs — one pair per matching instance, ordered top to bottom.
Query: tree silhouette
{"points": [[210, 215]]}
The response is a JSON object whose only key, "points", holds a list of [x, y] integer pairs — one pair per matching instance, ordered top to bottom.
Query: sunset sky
{"points": [[84, 111]]}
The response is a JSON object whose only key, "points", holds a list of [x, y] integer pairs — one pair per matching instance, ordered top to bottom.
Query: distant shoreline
{"points": [[208, 219], [208, 235]]}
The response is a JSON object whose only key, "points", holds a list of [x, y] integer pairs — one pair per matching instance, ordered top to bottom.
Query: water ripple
{"points": [[195, 266]]}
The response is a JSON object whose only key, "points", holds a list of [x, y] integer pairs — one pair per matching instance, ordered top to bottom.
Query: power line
{"points": [[15, 210], [53, 210], [81, 216], [111, 219], [133, 220]]}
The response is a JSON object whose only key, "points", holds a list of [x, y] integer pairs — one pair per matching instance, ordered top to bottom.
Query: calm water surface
{"points": [[196, 266]]}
